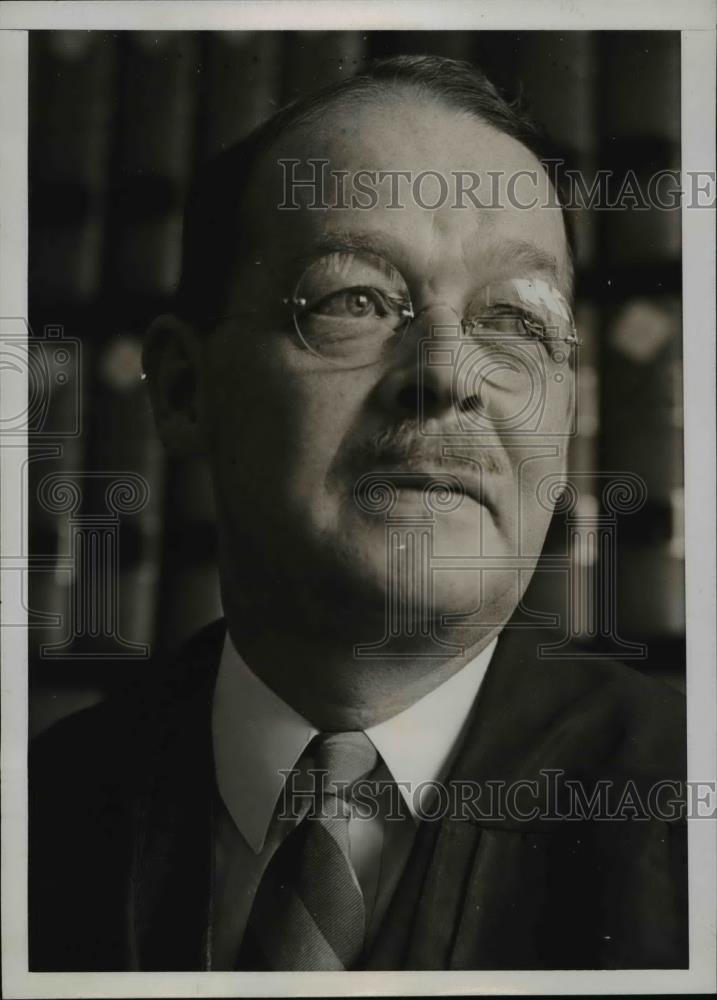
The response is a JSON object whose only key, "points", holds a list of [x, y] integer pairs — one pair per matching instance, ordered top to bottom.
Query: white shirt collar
{"points": [[256, 735]]}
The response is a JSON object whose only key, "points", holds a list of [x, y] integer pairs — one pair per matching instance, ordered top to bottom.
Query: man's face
{"points": [[294, 421]]}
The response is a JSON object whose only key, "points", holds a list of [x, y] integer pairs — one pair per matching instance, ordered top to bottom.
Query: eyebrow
{"points": [[384, 249], [522, 254], [525, 255]]}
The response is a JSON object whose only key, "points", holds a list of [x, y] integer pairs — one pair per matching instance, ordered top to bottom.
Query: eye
{"points": [[360, 302], [353, 303], [512, 319], [533, 324]]}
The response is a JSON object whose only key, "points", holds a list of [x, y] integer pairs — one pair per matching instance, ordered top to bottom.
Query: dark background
{"points": [[118, 123]]}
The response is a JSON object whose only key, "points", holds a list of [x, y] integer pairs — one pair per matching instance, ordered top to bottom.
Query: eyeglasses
{"points": [[352, 309]]}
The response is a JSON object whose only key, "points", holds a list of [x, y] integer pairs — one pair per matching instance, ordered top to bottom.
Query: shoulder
{"points": [[562, 707], [639, 722], [107, 745], [92, 779]]}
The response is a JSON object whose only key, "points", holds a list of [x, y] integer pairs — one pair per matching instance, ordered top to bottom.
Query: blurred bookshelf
{"points": [[119, 123]]}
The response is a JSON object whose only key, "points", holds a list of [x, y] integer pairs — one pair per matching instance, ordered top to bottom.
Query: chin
{"points": [[401, 586], [444, 619]]}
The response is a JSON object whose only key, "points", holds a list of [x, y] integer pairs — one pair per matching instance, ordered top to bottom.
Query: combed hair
{"points": [[211, 242]]}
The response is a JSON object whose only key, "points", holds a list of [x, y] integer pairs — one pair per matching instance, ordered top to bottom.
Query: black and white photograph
{"points": [[358, 487]]}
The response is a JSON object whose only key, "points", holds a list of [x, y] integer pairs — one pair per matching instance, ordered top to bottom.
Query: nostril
{"points": [[407, 398]]}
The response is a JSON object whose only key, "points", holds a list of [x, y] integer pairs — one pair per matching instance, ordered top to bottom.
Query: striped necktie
{"points": [[308, 913]]}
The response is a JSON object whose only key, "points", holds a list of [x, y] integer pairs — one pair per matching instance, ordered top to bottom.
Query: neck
{"points": [[326, 680]]}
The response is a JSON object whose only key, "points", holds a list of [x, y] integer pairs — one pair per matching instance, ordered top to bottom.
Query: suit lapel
{"points": [[464, 876]]}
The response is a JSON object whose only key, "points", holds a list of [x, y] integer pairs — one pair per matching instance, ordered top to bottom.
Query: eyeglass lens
{"points": [[352, 308]]}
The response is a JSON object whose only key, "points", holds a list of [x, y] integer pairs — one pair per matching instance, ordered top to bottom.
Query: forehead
{"points": [[434, 185]]}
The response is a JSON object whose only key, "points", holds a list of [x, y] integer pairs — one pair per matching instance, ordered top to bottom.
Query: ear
{"points": [[171, 358]]}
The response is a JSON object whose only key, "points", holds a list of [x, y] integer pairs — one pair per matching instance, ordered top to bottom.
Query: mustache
{"points": [[404, 445]]}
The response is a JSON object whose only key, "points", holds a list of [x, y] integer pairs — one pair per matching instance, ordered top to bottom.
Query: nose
{"points": [[421, 380]]}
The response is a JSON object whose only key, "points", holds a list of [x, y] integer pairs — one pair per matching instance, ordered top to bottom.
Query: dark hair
{"points": [[212, 218]]}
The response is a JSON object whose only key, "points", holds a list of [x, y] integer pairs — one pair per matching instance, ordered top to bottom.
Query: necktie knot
{"points": [[345, 757], [309, 911]]}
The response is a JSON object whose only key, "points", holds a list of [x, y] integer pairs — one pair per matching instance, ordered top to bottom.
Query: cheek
{"points": [[317, 416], [274, 424], [539, 460], [538, 467]]}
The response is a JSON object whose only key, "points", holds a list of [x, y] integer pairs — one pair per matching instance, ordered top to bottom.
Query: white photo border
{"points": [[696, 20]]}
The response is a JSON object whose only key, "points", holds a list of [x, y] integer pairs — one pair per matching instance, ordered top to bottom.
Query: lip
{"points": [[417, 477]]}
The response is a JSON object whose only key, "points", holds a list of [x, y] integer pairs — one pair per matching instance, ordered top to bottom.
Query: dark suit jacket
{"points": [[121, 799]]}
